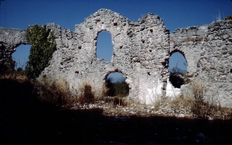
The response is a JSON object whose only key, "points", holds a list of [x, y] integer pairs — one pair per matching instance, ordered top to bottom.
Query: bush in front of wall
{"points": [[43, 46]]}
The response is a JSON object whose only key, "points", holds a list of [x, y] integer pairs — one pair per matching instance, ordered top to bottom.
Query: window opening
{"points": [[104, 46], [21, 55], [177, 68]]}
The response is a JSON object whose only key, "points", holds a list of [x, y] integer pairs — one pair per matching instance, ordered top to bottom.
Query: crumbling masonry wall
{"points": [[9, 40], [208, 51], [140, 52]]}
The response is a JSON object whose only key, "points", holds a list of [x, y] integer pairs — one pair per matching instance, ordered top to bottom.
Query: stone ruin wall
{"points": [[9, 40], [140, 52], [208, 52]]}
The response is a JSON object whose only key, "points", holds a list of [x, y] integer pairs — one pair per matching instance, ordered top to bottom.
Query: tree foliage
{"points": [[42, 47]]}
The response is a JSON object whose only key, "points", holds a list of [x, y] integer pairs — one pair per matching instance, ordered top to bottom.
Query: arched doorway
{"points": [[177, 68], [116, 85]]}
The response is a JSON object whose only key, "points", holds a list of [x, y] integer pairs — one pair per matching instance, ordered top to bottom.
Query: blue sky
{"points": [[67, 13]]}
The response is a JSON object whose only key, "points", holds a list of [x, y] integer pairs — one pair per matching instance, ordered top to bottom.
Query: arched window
{"points": [[104, 46], [21, 55], [177, 62], [177, 67]]}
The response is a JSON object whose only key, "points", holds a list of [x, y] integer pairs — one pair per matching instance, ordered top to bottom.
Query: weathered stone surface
{"points": [[9, 40], [135, 49], [207, 51], [140, 52]]}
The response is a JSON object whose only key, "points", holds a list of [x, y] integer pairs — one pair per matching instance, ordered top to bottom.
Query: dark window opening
{"points": [[115, 24], [104, 46], [21, 55], [177, 68], [176, 79], [116, 85]]}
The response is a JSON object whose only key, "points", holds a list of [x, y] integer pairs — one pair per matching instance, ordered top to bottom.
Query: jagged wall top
{"points": [[12, 37], [140, 51]]}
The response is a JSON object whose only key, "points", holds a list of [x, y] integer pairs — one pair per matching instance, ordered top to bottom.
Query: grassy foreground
{"points": [[28, 118]]}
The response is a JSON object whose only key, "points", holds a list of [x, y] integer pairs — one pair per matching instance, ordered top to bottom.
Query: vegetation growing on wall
{"points": [[228, 17], [43, 46]]}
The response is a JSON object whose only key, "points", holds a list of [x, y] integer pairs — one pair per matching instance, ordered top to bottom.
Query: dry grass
{"points": [[19, 76], [56, 92], [87, 95], [116, 101], [193, 104], [199, 107], [203, 107]]}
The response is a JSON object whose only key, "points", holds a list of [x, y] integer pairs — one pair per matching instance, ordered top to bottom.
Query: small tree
{"points": [[43, 46]]}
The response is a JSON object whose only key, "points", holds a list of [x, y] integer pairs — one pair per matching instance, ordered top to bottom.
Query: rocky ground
{"points": [[136, 109], [26, 120]]}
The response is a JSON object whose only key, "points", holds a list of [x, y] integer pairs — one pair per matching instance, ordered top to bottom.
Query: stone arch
{"points": [[178, 51], [116, 70], [175, 75]]}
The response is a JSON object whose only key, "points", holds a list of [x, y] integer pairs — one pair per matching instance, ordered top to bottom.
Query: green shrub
{"points": [[43, 46]]}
